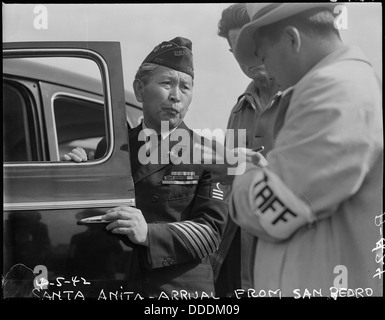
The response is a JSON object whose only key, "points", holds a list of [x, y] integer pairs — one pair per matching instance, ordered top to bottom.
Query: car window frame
{"points": [[103, 67], [49, 115]]}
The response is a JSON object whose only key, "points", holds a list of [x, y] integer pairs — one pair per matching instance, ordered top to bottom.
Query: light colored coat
{"points": [[329, 153]]}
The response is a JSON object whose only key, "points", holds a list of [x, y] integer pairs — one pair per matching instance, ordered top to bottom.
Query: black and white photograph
{"points": [[192, 157]]}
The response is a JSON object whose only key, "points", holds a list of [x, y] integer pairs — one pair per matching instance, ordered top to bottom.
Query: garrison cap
{"points": [[175, 54]]}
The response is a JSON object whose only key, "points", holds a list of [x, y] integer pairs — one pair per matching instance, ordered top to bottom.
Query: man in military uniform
{"points": [[181, 208]]}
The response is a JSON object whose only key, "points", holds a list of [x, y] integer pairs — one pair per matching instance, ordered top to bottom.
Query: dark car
{"points": [[47, 111]]}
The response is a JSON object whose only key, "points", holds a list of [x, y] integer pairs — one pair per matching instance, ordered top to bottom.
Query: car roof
{"points": [[37, 71]]}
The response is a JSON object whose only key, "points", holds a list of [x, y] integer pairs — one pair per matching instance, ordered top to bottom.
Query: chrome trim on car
{"points": [[53, 205]]}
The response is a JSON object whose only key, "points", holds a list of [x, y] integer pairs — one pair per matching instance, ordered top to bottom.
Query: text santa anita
{"points": [[333, 292]]}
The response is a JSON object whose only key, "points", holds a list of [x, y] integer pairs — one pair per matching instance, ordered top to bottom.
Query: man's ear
{"points": [[293, 36], [138, 89]]}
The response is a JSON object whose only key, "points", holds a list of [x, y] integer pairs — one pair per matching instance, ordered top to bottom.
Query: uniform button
{"points": [[155, 198], [168, 261]]}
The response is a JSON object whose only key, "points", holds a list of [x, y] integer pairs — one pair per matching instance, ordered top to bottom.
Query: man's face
{"points": [[275, 57], [256, 71], [166, 97]]}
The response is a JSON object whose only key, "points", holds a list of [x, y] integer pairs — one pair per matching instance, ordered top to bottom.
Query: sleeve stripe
{"points": [[200, 233], [208, 234], [211, 234], [190, 237]]}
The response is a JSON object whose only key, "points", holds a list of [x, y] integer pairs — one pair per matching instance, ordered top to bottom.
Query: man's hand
{"points": [[78, 155], [251, 156], [128, 221]]}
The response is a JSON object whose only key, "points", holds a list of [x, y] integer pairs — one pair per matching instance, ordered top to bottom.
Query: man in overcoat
{"points": [[316, 203]]}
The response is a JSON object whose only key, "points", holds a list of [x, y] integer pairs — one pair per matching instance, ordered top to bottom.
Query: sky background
{"points": [[140, 27]]}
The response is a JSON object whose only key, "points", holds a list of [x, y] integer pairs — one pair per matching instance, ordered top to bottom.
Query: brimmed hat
{"points": [[262, 14], [175, 54]]}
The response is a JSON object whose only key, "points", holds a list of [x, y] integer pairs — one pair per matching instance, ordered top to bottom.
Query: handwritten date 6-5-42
{"points": [[74, 281]]}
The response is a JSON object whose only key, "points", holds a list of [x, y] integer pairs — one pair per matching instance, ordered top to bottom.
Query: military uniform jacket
{"points": [[185, 219]]}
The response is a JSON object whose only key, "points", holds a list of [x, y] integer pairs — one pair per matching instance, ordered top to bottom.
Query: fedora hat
{"points": [[262, 14]]}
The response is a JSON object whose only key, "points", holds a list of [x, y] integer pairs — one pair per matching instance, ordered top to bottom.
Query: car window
{"points": [[69, 100], [55, 104], [79, 123]]}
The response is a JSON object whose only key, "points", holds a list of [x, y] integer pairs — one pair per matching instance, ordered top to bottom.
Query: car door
{"points": [[46, 252]]}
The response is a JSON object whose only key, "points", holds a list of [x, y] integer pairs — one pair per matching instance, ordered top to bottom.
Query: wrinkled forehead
{"points": [[166, 72]]}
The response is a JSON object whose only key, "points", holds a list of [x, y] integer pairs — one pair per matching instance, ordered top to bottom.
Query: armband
{"points": [[279, 210]]}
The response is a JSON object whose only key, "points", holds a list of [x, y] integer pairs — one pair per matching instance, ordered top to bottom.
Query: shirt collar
{"points": [[287, 91], [279, 96], [275, 98], [247, 99]]}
